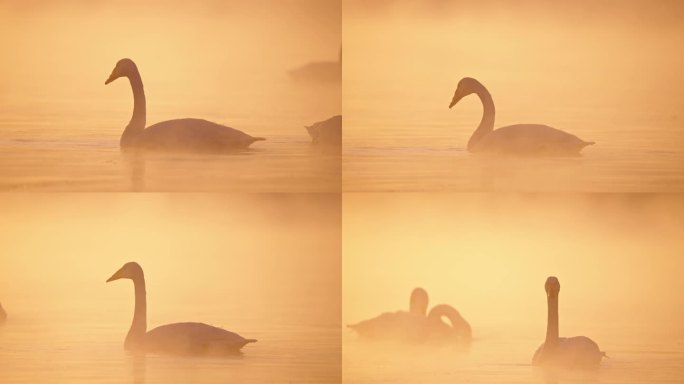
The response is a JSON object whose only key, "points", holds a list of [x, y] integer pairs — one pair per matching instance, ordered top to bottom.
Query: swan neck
{"points": [[487, 122], [137, 123], [552, 321], [139, 325]]}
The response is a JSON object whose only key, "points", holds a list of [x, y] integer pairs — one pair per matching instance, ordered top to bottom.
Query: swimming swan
{"points": [[319, 71], [326, 132], [195, 135], [518, 139], [401, 325], [177, 338], [572, 352]]}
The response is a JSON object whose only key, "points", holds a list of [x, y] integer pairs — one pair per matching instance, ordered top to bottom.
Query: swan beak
{"points": [[111, 78], [455, 100], [115, 276]]}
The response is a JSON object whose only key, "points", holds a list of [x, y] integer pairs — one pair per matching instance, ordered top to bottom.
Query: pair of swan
{"points": [[518, 139], [417, 325], [177, 338], [571, 352]]}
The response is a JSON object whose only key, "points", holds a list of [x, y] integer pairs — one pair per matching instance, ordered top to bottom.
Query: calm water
{"points": [[543, 63], [54, 151], [617, 258], [228, 260], [636, 356]]}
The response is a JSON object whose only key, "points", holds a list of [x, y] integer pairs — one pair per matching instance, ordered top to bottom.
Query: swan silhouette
{"points": [[319, 71], [326, 132], [193, 135], [518, 139], [400, 325], [414, 326], [177, 338], [571, 352]]}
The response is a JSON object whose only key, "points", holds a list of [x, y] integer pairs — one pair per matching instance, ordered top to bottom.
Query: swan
{"points": [[319, 71], [326, 132], [195, 135], [518, 139], [3, 314], [401, 325], [458, 331], [176, 338], [571, 352]]}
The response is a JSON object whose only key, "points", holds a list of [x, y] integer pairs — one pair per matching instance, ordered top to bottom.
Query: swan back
{"points": [[326, 132], [398, 326], [194, 339], [571, 352]]}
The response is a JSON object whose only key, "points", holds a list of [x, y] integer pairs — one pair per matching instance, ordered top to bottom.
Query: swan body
{"points": [[319, 71], [327, 132], [193, 135], [518, 139], [415, 326], [176, 338], [572, 352]]}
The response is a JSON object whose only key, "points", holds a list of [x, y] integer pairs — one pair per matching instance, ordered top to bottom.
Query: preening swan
{"points": [[326, 132], [195, 135], [519, 139], [415, 327], [458, 331], [177, 338], [571, 352]]}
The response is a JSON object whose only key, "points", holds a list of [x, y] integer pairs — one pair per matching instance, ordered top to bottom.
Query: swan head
{"points": [[124, 67], [465, 87], [130, 270], [552, 286], [419, 301]]}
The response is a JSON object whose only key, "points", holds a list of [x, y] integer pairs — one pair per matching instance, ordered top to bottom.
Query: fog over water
{"points": [[224, 61], [605, 72], [617, 257], [232, 261]]}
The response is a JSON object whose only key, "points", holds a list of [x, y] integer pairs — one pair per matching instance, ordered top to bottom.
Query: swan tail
{"points": [[258, 139], [588, 143], [247, 341], [603, 354]]}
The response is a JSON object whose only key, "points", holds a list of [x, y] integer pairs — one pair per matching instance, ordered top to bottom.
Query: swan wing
{"points": [[195, 135], [531, 139], [398, 326], [194, 339], [572, 352]]}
